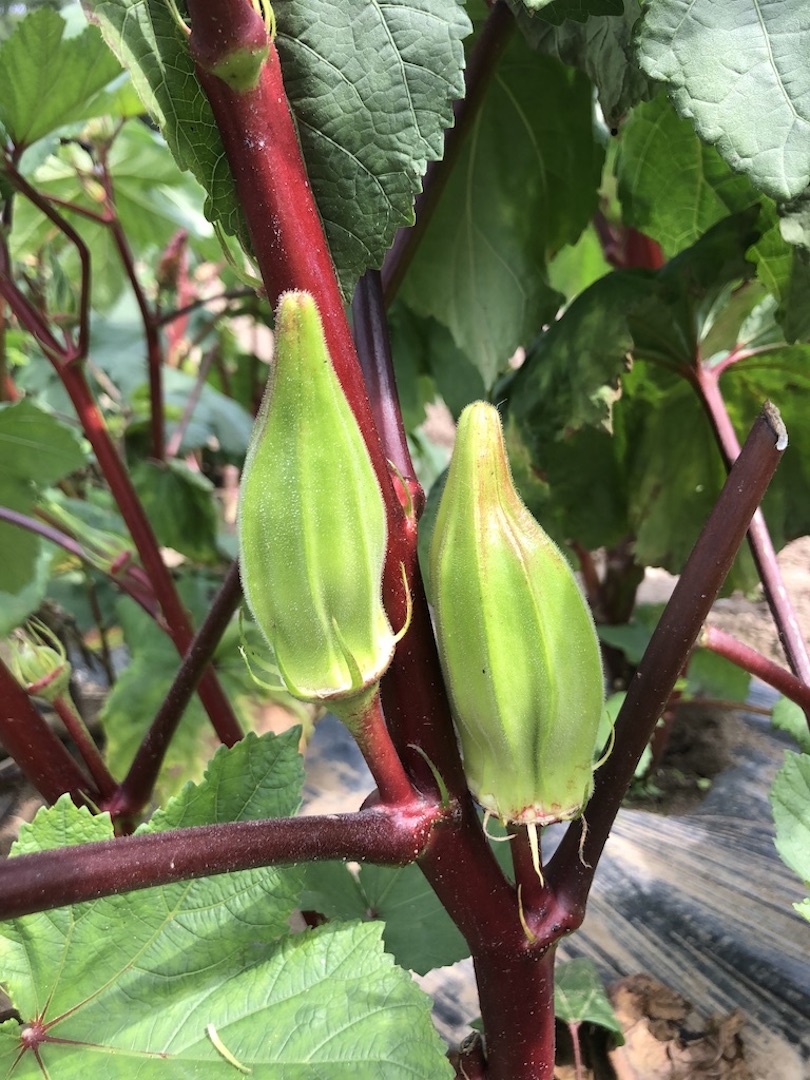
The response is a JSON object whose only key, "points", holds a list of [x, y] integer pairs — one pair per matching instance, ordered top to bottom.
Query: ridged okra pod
{"points": [[312, 525], [517, 641]]}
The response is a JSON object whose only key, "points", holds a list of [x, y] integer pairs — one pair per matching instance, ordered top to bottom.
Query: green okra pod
{"points": [[312, 524], [517, 640]]}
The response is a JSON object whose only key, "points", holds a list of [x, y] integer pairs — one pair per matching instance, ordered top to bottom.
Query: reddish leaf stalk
{"points": [[77, 350], [154, 351], [706, 381], [133, 589], [755, 663], [216, 704], [83, 740], [36, 749], [381, 757], [139, 782], [390, 836], [570, 871]]}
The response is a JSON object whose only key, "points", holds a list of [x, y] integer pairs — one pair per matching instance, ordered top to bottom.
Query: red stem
{"points": [[78, 350], [154, 350], [48, 532], [762, 549], [179, 626], [755, 663], [77, 730], [36, 749], [382, 759], [139, 782], [385, 835], [570, 871], [517, 1007]]}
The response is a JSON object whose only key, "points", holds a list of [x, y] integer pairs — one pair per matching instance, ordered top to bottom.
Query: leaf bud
{"points": [[312, 522], [517, 641]]}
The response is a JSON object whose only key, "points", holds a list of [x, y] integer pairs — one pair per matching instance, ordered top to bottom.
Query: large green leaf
{"points": [[602, 47], [737, 69], [47, 81], [371, 90], [660, 151], [525, 185], [36, 450], [603, 488], [790, 800], [157, 983]]}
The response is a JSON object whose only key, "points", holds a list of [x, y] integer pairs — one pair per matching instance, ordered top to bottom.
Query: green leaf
{"points": [[601, 47], [736, 68], [47, 81], [372, 88], [371, 92], [658, 148], [659, 152], [525, 185], [427, 359], [36, 450], [603, 489], [180, 506], [16, 607], [716, 677], [788, 716], [790, 801], [418, 932], [141, 978], [579, 996]]}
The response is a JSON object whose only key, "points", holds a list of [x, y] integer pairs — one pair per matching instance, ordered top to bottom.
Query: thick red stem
{"points": [[216, 704], [35, 748], [384, 835], [517, 1008]]}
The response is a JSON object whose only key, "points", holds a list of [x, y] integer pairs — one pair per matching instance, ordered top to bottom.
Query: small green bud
{"points": [[312, 524], [518, 645], [39, 661]]}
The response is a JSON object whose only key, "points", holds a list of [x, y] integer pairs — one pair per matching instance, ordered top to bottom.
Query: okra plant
{"points": [[580, 224]]}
